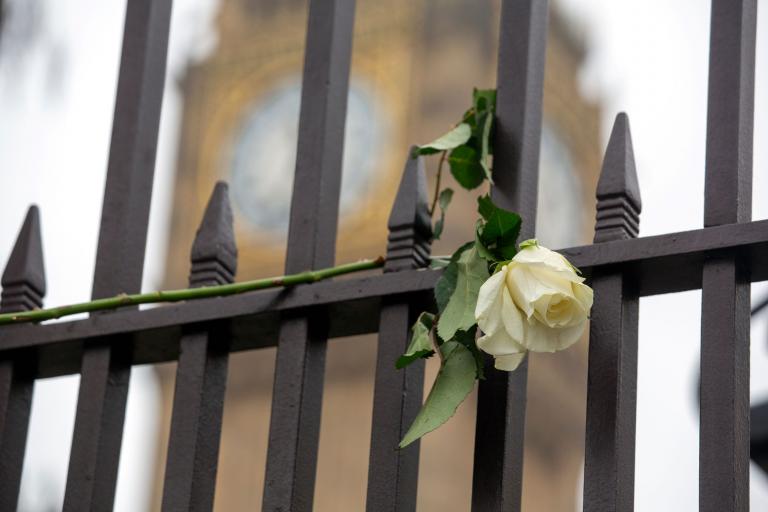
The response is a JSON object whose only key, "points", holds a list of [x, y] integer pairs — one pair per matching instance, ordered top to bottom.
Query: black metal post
{"points": [[23, 289], [300, 365], [106, 367], [201, 376], [724, 431], [499, 435], [609, 469]]}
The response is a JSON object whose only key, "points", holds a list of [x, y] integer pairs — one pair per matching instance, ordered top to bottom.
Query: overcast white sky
{"points": [[647, 57]]}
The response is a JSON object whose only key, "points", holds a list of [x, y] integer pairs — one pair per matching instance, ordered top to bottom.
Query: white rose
{"points": [[536, 302]]}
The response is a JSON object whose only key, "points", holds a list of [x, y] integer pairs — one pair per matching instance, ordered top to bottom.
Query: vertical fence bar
{"points": [[23, 289], [300, 363], [105, 372], [201, 376], [724, 434], [498, 466], [609, 469], [393, 474]]}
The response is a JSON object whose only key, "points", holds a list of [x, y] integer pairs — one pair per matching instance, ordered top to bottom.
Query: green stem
{"points": [[437, 184], [121, 300]]}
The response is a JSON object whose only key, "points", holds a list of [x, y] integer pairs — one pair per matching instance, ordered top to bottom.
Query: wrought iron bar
{"points": [[23, 289], [300, 363], [106, 367], [201, 375], [724, 398], [498, 468], [609, 469], [393, 474]]}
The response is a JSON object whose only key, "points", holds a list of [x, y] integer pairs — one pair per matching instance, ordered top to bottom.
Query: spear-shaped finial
{"points": [[618, 191], [410, 225], [214, 251], [24, 277]]}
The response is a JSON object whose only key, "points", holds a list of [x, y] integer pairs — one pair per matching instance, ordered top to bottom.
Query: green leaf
{"points": [[484, 100], [470, 118], [454, 138], [485, 144], [465, 167], [443, 200], [485, 206], [498, 221], [500, 231], [482, 250], [439, 262], [447, 283], [459, 313], [467, 338], [420, 345], [452, 385]]}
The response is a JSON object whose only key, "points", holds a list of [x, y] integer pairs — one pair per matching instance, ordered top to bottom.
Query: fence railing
{"points": [[721, 259]]}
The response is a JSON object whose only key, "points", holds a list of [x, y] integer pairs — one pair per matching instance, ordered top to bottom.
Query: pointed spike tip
{"points": [[619, 174], [618, 191], [411, 204], [410, 225], [215, 238], [26, 264]]}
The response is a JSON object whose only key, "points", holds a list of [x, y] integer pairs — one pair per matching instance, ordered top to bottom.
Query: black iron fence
{"points": [[721, 259]]}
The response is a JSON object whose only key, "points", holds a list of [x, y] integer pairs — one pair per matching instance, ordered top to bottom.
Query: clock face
{"points": [[264, 154], [559, 216]]}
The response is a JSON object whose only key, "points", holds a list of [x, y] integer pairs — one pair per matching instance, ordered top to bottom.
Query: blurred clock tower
{"points": [[414, 65]]}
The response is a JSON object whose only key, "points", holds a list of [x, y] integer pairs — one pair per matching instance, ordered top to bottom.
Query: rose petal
{"points": [[541, 255], [554, 281], [527, 284], [524, 288], [585, 296], [541, 308], [558, 310], [488, 311], [561, 312], [512, 317], [540, 338], [499, 343], [508, 363]]}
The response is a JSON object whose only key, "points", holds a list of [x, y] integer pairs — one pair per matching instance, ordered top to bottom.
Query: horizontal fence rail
{"points": [[667, 263]]}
